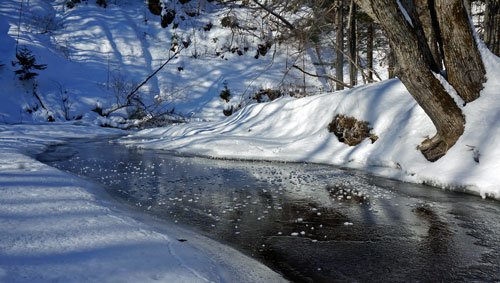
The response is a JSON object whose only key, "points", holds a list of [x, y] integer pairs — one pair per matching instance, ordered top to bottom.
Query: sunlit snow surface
{"points": [[56, 227]]}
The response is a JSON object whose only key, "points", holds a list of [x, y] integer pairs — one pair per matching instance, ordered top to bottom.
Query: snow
{"points": [[290, 129], [57, 227]]}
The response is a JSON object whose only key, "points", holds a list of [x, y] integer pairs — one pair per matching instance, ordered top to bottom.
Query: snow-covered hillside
{"points": [[95, 56]]}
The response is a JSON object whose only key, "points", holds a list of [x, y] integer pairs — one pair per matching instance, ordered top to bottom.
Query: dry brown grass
{"points": [[350, 131]]}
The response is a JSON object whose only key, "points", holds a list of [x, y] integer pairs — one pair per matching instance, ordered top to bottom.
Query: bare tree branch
{"points": [[285, 21], [324, 76], [136, 89], [131, 95]]}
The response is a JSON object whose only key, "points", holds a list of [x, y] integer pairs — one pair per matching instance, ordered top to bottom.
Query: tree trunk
{"points": [[468, 7], [426, 13], [492, 26], [419, 29], [352, 43], [369, 51], [391, 64], [339, 65], [464, 66], [414, 67], [320, 69]]}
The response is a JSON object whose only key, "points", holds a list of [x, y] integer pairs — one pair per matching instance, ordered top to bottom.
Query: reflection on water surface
{"points": [[312, 223]]}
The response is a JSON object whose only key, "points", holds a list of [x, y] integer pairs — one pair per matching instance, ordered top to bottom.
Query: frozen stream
{"points": [[312, 223]]}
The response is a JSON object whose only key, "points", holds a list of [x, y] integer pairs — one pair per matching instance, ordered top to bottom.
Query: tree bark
{"points": [[425, 12], [492, 26], [418, 28], [352, 43], [369, 51], [339, 58], [391, 64], [464, 66], [414, 68]]}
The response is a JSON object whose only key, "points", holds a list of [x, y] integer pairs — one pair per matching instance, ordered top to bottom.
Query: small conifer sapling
{"points": [[27, 64]]}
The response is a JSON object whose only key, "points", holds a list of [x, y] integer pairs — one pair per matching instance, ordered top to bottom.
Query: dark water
{"points": [[312, 223]]}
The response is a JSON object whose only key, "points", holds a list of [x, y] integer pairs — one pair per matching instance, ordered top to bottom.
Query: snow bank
{"points": [[96, 56], [296, 130], [56, 227]]}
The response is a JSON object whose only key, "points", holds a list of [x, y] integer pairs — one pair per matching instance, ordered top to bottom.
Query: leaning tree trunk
{"points": [[414, 65], [464, 66]]}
